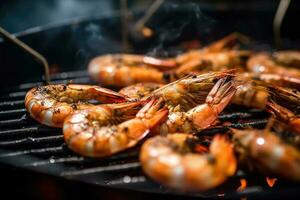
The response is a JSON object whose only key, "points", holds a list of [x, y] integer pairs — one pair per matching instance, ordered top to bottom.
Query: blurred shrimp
{"points": [[214, 61], [264, 63], [123, 70], [252, 95], [290, 119], [267, 152], [170, 161]]}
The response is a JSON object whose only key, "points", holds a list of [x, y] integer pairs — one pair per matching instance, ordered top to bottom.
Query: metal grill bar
{"points": [[27, 86], [11, 104], [8, 113], [242, 115], [14, 122], [28, 131], [31, 141], [43, 151], [81, 160], [114, 168], [127, 180]]}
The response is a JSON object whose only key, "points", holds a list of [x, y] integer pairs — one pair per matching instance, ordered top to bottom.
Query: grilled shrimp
{"points": [[218, 55], [288, 58], [213, 61], [264, 63], [124, 70], [274, 79], [139, 90], [188, 92], [250, 94], [285, 97], [51, 104], [203, 115], [286, 116], [101, 130], [268, 152], [170, 161]]}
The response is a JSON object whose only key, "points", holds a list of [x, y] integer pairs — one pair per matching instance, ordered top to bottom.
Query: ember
{"points": [[271, 181]]}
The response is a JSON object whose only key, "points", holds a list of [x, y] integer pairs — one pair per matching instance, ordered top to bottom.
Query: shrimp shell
{"points": [[51, 104], [98, 132], [268, 152], [169, 161]]}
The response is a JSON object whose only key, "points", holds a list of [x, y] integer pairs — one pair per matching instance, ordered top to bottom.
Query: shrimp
{"points": [[225, 44], [216, 56], [288, 58], [214, 61], [264, 63], [123, 70], [274, 79], [139, 90], [255, 90], [190, 91], [250, 94], [285, 97], [51, 104], [203, 115], [286, 116], [101, 130], [268, 152], [170, 161]]}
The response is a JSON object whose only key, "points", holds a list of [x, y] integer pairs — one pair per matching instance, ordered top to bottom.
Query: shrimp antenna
{"points": [[269, 124]]}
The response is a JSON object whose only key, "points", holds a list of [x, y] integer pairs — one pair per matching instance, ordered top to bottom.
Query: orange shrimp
{"points": [[287, 57], [213, 61], [264, 63], [123, 70], [274, 79], [188, 92], [250, 94], [285, 97], [51, 104], [203, 115], [286, 116], [101, 130], [268, 152], [170, 161]]}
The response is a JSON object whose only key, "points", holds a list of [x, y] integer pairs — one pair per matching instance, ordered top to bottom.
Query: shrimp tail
{"points": [[221, 94], [109, 96], [128, 110], [153, 113], [223, 150]]}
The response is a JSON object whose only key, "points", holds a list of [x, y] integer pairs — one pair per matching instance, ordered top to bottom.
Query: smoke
{"points": [[176, 23]]}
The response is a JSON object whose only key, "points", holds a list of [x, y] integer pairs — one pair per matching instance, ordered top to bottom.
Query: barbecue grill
{"points": [[34, 157]]}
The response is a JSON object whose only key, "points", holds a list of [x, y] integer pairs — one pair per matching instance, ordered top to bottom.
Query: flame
{"points": [[147, 32], [201, 148], [271, 181], [243, 185]]}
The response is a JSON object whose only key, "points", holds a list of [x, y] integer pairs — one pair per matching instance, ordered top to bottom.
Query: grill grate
{"points": [[26, 143]]}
